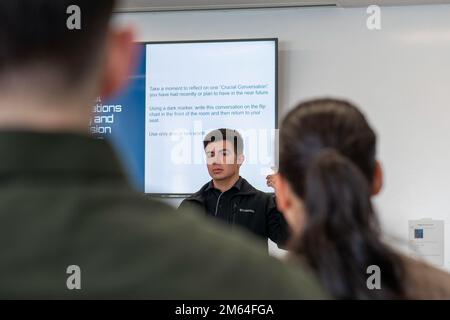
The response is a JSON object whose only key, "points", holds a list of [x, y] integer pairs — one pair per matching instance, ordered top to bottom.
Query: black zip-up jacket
{"points": [[242, 205]]}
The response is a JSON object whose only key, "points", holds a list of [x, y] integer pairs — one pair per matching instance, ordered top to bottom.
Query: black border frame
{"points": [[276, 40]]}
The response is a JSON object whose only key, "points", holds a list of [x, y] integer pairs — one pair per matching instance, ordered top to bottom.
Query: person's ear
{"points": [[120, 55], [240, 159], [377, 183], [283, 197], [290, 206]]}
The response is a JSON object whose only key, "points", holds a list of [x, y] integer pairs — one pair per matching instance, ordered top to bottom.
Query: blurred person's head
{"points": [[51, 73], [224, 153], [328, 173]]}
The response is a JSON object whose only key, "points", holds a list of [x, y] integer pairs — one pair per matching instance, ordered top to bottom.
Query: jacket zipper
{"points": [[217, 204], [233, 212]]}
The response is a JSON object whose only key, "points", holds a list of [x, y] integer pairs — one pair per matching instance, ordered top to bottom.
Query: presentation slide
{"points": [[179, 93]]}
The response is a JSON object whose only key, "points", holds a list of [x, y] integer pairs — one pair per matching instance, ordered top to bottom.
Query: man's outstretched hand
{"points": [[271, 180]]}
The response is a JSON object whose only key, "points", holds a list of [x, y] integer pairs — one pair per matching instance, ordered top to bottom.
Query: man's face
{"points": [[222, 161]]}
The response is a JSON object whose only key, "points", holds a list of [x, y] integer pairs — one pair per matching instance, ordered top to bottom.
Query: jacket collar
{"points": [[237, 185], [244, 187]]}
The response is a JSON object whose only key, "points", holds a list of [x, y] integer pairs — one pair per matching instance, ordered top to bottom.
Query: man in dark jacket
{"points": [[229, 197], [70, 224]]}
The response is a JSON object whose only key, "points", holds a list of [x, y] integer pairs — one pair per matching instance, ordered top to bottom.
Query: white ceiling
{"points": [[165, 5]]}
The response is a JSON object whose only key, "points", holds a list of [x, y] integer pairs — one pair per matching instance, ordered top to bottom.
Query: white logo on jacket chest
{"points": [[246, 210]]}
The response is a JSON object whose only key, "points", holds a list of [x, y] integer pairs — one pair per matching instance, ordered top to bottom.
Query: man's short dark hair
{"points": [[36, 32], [230, 135]]}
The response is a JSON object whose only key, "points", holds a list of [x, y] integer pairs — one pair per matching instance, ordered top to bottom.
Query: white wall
{"points": [[400, 76]]}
